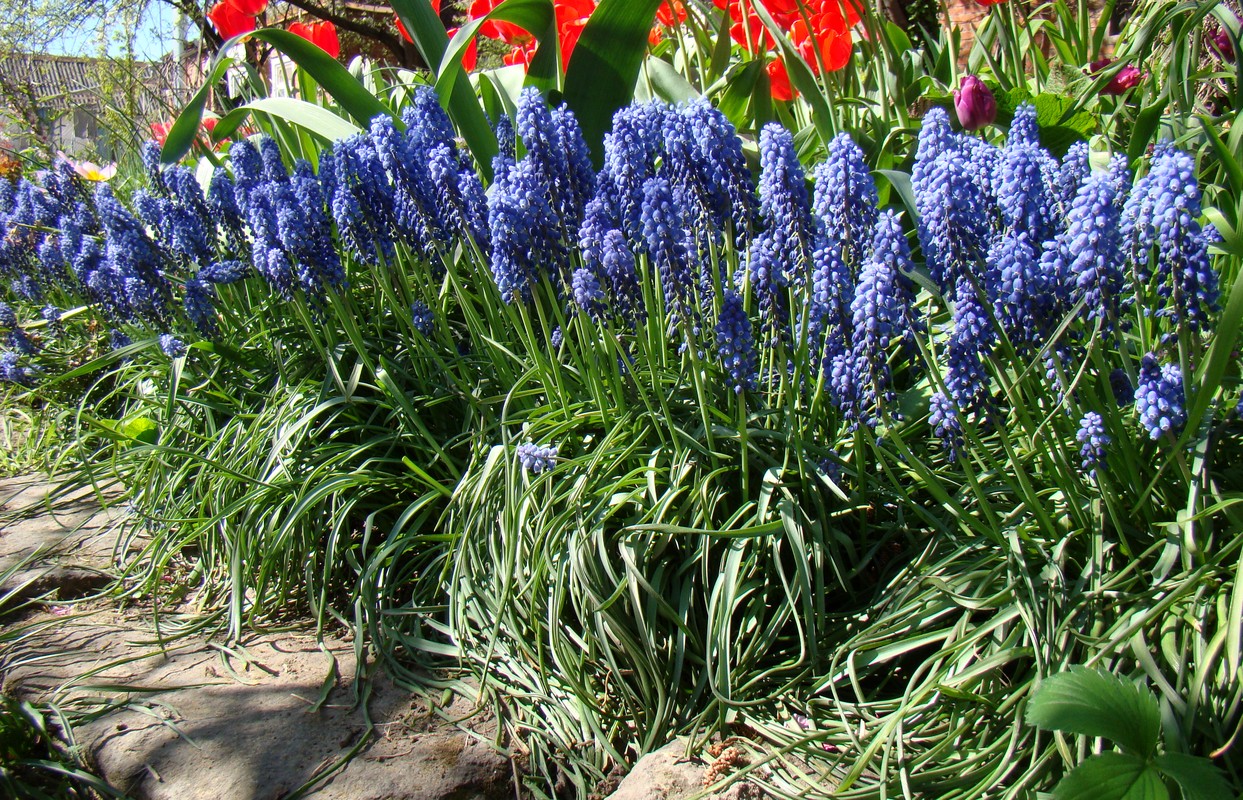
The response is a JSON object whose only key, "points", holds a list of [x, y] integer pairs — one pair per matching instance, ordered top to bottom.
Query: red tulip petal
{"points": [[249, 8], [228, 21]]}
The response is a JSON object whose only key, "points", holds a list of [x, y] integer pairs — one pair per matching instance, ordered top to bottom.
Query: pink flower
{"points": [[1126, 78], [974, 103]]}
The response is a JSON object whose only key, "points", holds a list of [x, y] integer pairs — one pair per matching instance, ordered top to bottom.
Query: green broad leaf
{"points": [[537, 17], [721, 47], [602, 75], [331, 76], [801, 78], [667, 82], [501, 89], [736, 98], [461, 103], [1059, 110], [311, 117], [1061, 122], [1146, 124], [1057, 139], [1227, 159], [901, 183], [1231, 240], [1220, 356], [143, 430], [1092, 702], [1112, 776], [1197, 778]]}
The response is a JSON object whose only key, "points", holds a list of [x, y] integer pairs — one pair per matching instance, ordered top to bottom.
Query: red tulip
{"points": [[989, 2], [250, 8], [671, 13], [229, 22], [507, 32], [321, 34], [405, 34], [829, 35], [521, 54], [470, 56], [779, 81], [974, 103], [159, 132]]}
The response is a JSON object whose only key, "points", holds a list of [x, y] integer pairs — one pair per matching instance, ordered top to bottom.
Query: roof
{"points": [[62, 82]]}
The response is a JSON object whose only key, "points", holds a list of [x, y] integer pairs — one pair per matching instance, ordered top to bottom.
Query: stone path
{"points": [[275, 716], [200, 718]]}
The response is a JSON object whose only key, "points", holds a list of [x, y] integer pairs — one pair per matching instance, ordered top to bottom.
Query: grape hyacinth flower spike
{"points": [[535, 458]]}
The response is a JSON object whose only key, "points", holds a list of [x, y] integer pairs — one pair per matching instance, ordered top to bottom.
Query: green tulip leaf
{"points": [[602, 74]]}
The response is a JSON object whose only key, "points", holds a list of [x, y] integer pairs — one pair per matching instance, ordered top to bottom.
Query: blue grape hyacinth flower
{"points": [[735, 342], [172, 346], [1159, 399], [1091, 435], [535, 458]]}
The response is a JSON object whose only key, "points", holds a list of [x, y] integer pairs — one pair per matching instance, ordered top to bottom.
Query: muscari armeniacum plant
{"points": [[765, 300], [1043, 321]]}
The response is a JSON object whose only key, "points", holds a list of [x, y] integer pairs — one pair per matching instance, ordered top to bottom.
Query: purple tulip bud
{"points": [[1221, 40], [1127, 78], [974, 103]]}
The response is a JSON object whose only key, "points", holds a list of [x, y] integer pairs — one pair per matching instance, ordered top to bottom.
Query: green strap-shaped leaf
{"points": [[537, 17], [326, 70], [602, 74], [801, 77], [667, 83], [464, 108], [316, 119], [186, 127], [1092, 702], [1112, 776]]}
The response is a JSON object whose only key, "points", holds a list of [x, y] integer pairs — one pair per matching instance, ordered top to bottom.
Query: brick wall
{"points": [[967, 15]]}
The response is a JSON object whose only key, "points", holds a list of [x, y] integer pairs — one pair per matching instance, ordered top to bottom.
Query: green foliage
{"points": [[606, 64], [699, 561], [1096, 703]]}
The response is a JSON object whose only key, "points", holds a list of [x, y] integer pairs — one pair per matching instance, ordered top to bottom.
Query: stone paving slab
{"points": [[54, 543], [199, 718]]}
